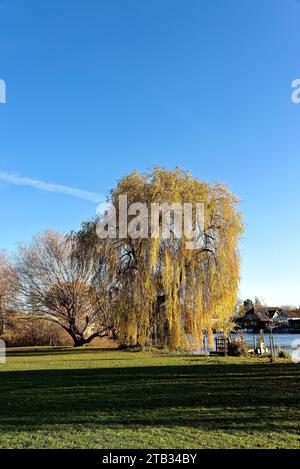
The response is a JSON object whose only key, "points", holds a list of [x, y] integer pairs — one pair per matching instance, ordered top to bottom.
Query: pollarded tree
{"points": [[58, 283], [164, 285]]}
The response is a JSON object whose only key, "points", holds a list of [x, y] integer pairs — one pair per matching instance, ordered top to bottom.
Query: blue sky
{"points": [[98, 88]]}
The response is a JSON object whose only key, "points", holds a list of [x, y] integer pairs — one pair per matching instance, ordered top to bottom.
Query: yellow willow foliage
{"points": [[154, 252], [183, 275], [168, 284], [180, 293], [197, 320], [132, 332], [177, 335], [210, 336]]}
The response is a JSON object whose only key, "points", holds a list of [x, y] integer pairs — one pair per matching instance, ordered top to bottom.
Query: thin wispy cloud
{"points": [[17, 180]]}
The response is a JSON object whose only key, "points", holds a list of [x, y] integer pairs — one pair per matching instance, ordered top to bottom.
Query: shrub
{"points": [[23, 332], [131, 348], [238, 348], [283, 354]]}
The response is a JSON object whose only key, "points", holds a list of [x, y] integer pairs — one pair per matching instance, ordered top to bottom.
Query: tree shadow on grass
{"points": [[42, 351], [211, 397]]}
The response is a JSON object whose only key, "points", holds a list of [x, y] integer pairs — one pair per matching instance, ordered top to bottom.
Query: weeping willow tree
{"points": [[166, 290]]}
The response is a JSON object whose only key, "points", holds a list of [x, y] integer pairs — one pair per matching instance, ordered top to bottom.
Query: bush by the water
{"points": [[238, 348], [283, 354]]}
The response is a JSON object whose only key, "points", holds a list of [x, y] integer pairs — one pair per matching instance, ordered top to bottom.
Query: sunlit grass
{"points": [[87, 398]]}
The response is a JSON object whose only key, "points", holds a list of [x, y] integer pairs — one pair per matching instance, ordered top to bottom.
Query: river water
{"points": [[284, 341]]}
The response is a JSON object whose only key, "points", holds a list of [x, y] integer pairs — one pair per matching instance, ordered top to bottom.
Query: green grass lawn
{"points": [[65, 398]]}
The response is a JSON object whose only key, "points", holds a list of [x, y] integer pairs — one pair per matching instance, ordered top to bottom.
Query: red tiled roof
{"points": [[265, 309], [293, 314], [262, 316]]}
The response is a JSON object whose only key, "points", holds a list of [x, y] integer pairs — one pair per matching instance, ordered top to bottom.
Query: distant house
{"points": [[271, 311], [260, 317], [270, 318], [293, 320]]}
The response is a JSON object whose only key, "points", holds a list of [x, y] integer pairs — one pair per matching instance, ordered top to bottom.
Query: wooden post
{"points": [[262, 336], [261, 343], [272, 347]]}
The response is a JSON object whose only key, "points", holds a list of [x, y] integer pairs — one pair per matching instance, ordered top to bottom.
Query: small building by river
{"points": [[270, 319]]}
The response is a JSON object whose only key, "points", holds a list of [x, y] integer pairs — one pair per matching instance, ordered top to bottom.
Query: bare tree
{"points": [[69, 287], [7, 288], [259, 301]]}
